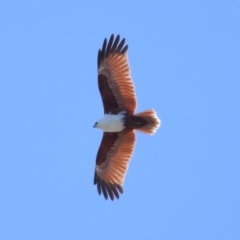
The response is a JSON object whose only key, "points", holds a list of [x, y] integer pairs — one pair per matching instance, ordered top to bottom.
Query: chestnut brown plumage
{"points": [[118, 97]]}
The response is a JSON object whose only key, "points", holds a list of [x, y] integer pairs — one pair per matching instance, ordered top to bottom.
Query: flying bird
{"points": [[120, 121]]}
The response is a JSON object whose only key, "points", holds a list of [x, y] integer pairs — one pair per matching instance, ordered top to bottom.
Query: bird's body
{"points": [[120, 120]]}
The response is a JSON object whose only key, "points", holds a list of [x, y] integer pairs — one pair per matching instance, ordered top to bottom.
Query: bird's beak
{"points": [[94, 125]]}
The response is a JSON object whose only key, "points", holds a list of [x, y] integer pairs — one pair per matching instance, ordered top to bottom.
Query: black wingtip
{"points": [[112, 46], [110, 190]]}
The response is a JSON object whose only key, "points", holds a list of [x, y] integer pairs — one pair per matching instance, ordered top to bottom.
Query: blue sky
{"points": [[183, 182]]}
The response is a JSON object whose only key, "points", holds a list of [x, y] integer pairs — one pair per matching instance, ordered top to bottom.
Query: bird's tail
{"points": [[152, 121], [145, 122]]}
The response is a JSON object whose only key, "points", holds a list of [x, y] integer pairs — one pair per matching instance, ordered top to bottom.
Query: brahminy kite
{"points": [[119, 121]]}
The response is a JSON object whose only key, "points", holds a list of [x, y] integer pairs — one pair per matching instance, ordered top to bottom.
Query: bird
{"points": [[120, 120]]}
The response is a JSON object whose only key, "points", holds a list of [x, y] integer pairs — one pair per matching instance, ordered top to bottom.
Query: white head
{"points": [[110, 123], [101, 124]]}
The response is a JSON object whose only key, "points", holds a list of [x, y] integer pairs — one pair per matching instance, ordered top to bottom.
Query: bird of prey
{"points": [[120, 121]]}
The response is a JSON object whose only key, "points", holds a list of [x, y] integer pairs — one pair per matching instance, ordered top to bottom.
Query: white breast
{"points": [[111, 123]]}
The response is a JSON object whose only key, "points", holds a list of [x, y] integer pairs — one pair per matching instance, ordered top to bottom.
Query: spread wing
{"points": [[114, 80], [113, 157]]}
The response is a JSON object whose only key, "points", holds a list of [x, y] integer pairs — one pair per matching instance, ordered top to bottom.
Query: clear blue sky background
{"points": [[183, 182]]}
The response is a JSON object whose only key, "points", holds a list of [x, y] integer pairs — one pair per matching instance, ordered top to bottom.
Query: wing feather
{"points": [[115, 43], [121, 44], [114, 80], [112, 161]]}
